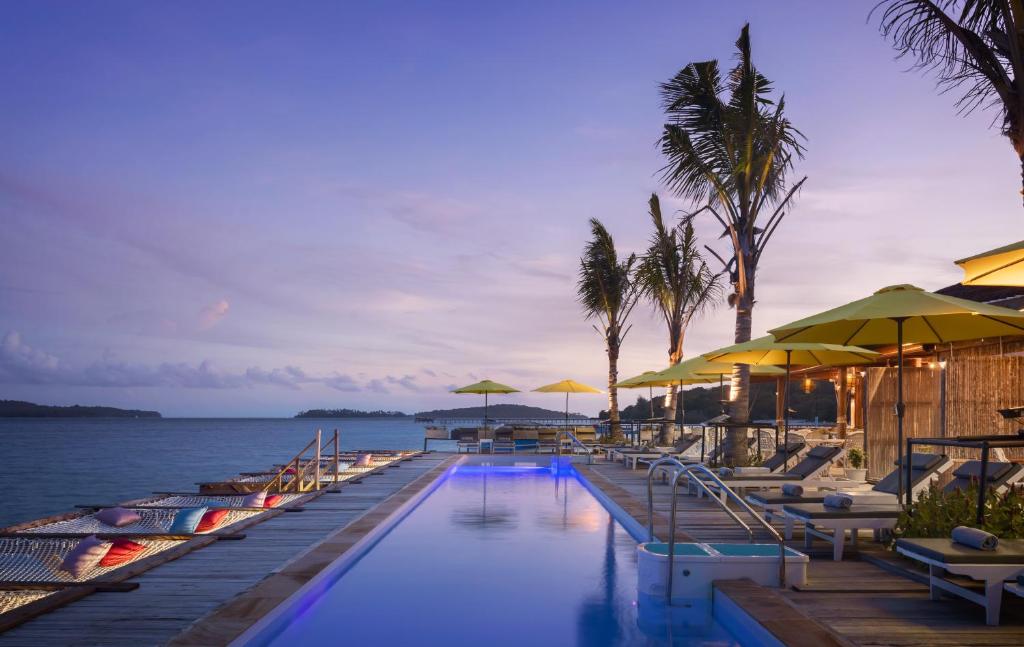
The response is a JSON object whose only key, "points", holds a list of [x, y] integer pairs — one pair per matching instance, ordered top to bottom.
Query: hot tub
{"points": [[696, 565]]}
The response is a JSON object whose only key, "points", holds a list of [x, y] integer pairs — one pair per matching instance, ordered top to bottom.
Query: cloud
{"points": [[211, 315], [23, 364], [407, 382], [377, 386]]}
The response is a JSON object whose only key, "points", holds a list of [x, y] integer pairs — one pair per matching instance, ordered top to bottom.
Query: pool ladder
{"points": [[576, 442], [684, 471]]}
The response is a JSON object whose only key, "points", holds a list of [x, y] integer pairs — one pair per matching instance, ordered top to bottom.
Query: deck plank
{"points": [[173, 596], [859, 601]]}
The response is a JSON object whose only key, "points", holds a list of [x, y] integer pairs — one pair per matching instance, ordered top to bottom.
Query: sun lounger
{"points": [[632, 460], [926, 469], [809, 472], [999, 475], [831, 524], [993, 567]]}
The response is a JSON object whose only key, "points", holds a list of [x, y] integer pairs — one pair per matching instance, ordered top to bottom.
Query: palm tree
{"points": [[975, 47], [730, 148], [675, 278], [607, 293]]}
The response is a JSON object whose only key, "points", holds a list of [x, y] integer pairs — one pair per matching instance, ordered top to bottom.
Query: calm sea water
{"points": [[50, 465]]}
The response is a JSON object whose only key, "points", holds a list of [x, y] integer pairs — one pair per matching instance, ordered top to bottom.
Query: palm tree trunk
{"points": [[675, 355], [739, 392], [613, 394], [668, 426]]}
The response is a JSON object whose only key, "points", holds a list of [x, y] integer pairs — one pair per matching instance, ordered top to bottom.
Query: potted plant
{"points": [[856, 470]]}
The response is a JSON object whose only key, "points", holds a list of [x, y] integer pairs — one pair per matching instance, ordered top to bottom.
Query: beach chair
{"points": [[467, 440], [525, 440], [632, 460], [927, 468], [811, 471], [999, 475], [832, 524], [993, 567]]}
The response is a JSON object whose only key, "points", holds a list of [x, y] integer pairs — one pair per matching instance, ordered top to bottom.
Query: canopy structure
{"points": [[1000, 266], [902, 314], [766, 351], [486, 387], [566, 387]]}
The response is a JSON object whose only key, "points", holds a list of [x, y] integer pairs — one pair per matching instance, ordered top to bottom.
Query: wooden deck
{"points": [[173, 596], [856, 601]]}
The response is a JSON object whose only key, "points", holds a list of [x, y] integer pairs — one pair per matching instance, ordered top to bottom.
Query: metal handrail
{"points": [[575, 441], [685, 470]]}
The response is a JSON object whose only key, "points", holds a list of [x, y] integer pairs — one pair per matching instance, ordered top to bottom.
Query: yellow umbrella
{"points": [[1001, 266], [903, 314], [765, 351], [486, 387], [566, 387]]}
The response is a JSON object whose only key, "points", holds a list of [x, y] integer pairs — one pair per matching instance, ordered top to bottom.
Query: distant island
{"points": [[19, 409], [497, 411], [349, 413]]}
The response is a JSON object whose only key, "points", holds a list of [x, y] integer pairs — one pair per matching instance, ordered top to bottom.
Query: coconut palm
{"points": [[975, 47], [730, 149], [674, 276], [607, 293]]}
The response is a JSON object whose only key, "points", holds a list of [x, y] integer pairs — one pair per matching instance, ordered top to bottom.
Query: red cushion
{"points": [[272, 500], [211, 520], [121, 551]]}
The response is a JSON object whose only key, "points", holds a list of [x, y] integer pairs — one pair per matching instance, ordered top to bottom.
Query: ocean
{"points": [[50, 465]]}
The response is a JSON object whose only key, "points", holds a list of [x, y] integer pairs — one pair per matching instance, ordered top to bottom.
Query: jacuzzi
{"points": [[696, 565]]}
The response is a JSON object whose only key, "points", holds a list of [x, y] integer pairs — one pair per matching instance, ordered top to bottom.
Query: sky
{"points": [[255, 208]]}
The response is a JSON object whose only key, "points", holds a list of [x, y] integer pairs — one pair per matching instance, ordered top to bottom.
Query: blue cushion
{"points": [[186, 520]]}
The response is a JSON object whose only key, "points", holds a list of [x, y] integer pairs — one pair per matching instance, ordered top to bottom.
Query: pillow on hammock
{"points": [[254, 500], [272, 500], [117, 517], [186, 520], [211, 520], [121, 552], [85, 556]]}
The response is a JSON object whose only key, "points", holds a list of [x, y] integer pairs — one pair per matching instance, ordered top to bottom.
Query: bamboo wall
{"points": [[976, 385], [975, 388], [921, 394]]}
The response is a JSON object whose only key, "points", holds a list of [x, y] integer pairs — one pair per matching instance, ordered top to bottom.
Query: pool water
{"points": [[495, 555]]}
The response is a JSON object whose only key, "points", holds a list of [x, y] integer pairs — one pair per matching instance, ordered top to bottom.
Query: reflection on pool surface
{"points": [[494, 556]]}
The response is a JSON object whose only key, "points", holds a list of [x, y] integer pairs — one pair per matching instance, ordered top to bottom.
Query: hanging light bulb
{"points": [[808, 385]]}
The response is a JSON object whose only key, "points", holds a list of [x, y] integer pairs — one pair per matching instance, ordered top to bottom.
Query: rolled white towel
{"points": [[792, 489], [838, 501], [975, 538]]}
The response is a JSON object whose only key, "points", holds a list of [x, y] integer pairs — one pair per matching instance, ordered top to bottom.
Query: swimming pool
{"points": [[493, 554]]}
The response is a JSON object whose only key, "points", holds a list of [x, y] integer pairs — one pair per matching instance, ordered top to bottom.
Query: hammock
{"points": [[220, 500], [154, 521], [37, 559], [11, 600]]}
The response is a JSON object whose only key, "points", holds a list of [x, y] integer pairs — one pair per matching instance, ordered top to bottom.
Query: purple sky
{"points": [[241, 209]]}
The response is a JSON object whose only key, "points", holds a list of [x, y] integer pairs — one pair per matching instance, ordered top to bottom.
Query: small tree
{"points": [[675, 278], [606, 291]]}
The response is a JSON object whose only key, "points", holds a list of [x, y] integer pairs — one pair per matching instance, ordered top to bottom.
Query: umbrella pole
{"points": [[721, 392], [485, 410], [567, 411], [682, 412], [785, 413], [899, 414]]}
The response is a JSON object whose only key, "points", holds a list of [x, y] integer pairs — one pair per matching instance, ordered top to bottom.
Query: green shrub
{"points": [[856, 458], [937, 512]]}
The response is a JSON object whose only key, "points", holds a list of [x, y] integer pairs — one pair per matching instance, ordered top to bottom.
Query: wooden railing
{"points": [[305, 472]]}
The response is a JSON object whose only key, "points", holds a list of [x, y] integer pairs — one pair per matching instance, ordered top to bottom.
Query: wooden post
{"points": [[842, 402], [780, 404], [337, 458], [316, 472]]}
